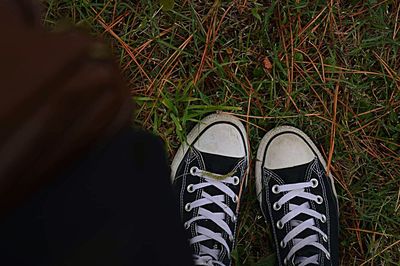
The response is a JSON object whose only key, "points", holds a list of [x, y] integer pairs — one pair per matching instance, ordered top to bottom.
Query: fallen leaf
{"points": [[267, 64]]}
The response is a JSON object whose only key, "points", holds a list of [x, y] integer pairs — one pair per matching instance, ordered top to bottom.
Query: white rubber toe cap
{"points": [[219, 134], [221, 139], [287, 150]]}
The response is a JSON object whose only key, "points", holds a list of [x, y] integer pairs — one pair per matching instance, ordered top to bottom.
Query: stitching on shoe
{"points": [[193, 155], [188, 160], [200, 163], [315, 168], [310, 169], [185, 171], [308, 175], [267, 176], [324, 177]]}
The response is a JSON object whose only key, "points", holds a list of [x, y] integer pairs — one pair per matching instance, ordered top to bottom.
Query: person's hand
{"points": [[59, 94]]}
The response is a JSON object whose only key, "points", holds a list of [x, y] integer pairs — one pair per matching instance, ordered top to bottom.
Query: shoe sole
{"points": [[261, 149]]}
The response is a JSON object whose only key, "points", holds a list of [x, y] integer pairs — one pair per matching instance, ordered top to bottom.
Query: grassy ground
{"points": [[330, 68]]}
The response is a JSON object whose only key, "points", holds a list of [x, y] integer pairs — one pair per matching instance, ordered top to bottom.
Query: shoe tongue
{"points": [[218, 164], [221, 165], [297, 174]]}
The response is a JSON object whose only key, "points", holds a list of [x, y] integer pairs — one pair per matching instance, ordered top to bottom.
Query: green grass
{"points": [[334, 73]]}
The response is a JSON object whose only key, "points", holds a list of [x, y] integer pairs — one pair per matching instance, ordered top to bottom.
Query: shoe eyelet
{"points": [[193, 170], [236, 180], [314, 183], [190, 188], [275, 189], [235, 199], [319, 200], [276, 206], [188, 207], [323, 218], [234, 219], [279, 224], [187, 225], [230, 238], [325, 238], [282, 244], [328, 256], [285, 261]]}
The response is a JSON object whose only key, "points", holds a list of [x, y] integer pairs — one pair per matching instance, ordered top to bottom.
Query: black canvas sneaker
{"points": [[208, 173], [298, 199]]}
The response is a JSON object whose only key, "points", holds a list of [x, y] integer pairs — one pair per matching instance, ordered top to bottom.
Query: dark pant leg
{"points": [[114, 207]]}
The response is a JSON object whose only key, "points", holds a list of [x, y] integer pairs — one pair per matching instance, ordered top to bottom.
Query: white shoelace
{"points": [[298, 190], [208, 256]]}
